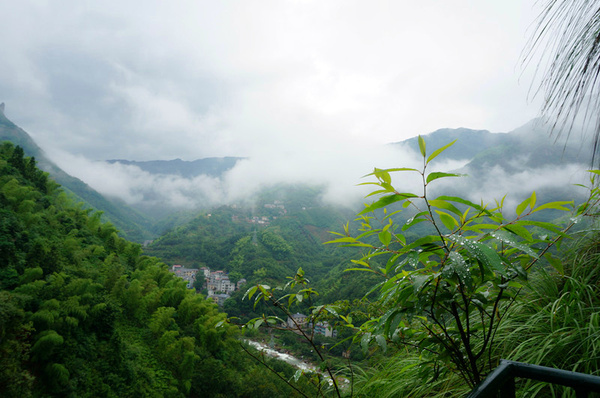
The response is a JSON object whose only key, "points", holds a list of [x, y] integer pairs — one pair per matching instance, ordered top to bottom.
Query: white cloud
{"points": [[137, 79], [307, 90]]}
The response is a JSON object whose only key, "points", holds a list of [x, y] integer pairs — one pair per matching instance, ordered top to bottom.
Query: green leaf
{"points": [[422, 146], [438, 151], [386, 170], [438, 174], [383, 175], [386, 201], [464, 202], [442, 204], [554, 205], [521, 207], [391, 214], [417, 218], [448, 221], [545, 225], [520, 231], [385, 237], [345, 239], [510, 240], [424, 241], [349, 242], [482, 252], [360, 262], [555, 262], [461, 268], [360, 269], [522, 272], [419, 281], [264, 289], [250, 292], [331, 310], [272, 320], [220, 324], [256, 324], [364, 342], [381, 342], [323, 366], [297, 375]]}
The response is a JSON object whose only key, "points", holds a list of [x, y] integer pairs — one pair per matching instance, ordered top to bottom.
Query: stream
{"points": [[292, 360]]}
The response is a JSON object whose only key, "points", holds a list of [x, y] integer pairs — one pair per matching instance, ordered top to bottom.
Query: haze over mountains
{"points": [[213, 167], [137, 195]]}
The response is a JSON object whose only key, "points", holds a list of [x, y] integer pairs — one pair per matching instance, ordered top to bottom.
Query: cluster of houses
{"points": [[276, 205], [262, 220], [217, 283], [219, 289], [299, 321]]}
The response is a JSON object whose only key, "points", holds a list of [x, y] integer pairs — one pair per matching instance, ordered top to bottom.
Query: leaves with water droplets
{"points": [[510, 240], [482, 252], [461, 268]]}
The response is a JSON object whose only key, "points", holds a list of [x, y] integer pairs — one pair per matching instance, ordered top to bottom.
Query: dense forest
{"points": [[85, 314]]}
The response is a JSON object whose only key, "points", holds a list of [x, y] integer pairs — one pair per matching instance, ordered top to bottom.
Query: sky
{"points": [[301, 87]]}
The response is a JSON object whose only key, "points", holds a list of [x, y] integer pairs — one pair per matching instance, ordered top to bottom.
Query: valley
{"points": [[178, 304]]}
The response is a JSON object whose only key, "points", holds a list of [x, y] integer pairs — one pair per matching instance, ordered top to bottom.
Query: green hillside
{"points": [[131, 224], [283, 230], [84, 314]]}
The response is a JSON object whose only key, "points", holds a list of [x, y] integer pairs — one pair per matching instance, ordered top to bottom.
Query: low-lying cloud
{"points": [[334, 163], [337, 170]]}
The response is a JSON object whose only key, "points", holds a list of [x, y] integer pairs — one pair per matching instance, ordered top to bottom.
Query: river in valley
{"points": [[292, 360]]}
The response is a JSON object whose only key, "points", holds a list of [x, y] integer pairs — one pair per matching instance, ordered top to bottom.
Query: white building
{"points": [[187, 274], [219, 282], [296, 319], [325, 329]]}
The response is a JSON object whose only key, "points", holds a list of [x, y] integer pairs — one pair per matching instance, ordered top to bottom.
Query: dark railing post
{"points": [[502, 380], [508, 389], [581, 393]]}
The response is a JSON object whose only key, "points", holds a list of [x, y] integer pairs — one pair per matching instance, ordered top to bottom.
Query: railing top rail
{"points": [[508, 370]]}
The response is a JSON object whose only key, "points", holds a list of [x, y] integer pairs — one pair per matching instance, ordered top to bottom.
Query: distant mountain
{"points": [[469, 144], [531, 144], [528, 147], [513, 164], [214, 167], [130, 223]]}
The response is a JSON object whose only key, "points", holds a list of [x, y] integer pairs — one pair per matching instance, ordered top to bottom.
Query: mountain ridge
{"points": [[211, 166], [130, 223]]}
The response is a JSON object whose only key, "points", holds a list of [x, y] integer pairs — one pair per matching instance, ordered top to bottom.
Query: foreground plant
{"points": [[445, 294], [277, 299]]}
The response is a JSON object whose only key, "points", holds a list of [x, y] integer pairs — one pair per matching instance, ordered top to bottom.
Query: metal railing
{"points": [[501, 382]]}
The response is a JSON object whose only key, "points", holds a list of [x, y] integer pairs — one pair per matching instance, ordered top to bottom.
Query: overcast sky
{"points": [[287, 79]]}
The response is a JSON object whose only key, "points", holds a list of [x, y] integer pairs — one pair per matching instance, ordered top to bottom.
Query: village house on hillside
{"points": [[187, 274], [217, 283], [301, 320]]}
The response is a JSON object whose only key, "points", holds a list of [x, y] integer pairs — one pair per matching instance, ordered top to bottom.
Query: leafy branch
{"points": [[447, 292]]}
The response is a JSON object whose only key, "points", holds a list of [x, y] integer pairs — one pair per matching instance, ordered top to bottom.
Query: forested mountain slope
{"points": [[130, 223], [284, 229], [84, 314]]}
